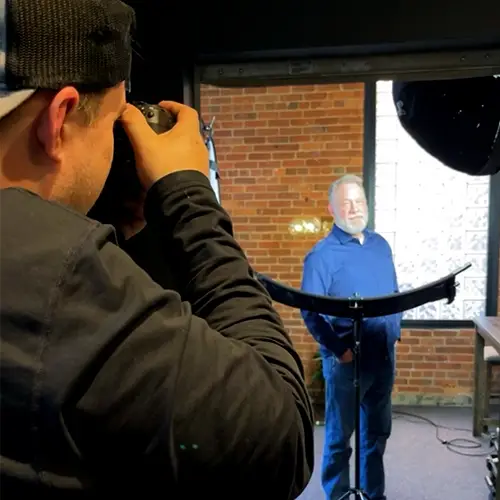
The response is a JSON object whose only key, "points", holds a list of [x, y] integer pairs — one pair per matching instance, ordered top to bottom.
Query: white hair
{"points": [[345, 179]]}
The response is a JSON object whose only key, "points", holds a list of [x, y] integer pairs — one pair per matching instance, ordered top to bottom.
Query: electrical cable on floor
{"points": [[453, 445]]}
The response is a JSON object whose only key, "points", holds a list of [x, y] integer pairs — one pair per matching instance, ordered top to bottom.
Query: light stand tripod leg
{"points": [[356, 494]]}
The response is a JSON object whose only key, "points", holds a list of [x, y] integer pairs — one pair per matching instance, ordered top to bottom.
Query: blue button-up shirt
{"points": [[340, 266]]}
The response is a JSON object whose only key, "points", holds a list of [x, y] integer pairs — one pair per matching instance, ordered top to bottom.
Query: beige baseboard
{"points": [[412, 399]]}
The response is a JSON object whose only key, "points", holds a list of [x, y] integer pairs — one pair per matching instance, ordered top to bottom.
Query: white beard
{"points": [[352, 226]]}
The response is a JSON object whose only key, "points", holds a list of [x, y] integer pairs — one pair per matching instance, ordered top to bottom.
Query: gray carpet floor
{"points": [[418, 466]]}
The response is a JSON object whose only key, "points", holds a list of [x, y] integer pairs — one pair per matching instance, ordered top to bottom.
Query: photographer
{"points": [[112, 385]]}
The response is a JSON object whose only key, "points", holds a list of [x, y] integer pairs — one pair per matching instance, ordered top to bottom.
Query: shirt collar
{"points": [[344, 237]]}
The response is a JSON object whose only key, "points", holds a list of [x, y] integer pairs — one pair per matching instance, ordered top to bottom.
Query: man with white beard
{"points": [[353, 259]]}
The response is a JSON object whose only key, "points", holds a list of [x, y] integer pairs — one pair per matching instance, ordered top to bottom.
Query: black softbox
{"points": [[456, 121]]}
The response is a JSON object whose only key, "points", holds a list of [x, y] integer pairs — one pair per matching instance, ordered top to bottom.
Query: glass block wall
{"points": [[420, 210]]}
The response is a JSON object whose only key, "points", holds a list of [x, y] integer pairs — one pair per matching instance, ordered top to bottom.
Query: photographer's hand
{"points": [[157, 155]]}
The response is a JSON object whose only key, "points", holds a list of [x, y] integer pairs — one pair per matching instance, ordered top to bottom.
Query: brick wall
{"points": [[279, 148]]}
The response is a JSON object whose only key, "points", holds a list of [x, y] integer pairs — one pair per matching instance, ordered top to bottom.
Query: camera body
{"points": [[159, 119], [122, 190]]}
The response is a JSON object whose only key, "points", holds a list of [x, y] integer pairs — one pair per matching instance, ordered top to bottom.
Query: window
{"points": [[419, 208]]}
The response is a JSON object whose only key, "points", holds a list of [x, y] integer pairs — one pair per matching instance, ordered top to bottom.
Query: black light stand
{"points": [[356, 308], [357, 315]]}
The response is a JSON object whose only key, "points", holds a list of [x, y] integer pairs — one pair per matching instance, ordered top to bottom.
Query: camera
{"points": [[117, 203]]}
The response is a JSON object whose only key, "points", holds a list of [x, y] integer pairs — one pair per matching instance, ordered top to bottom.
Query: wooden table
{"points": [[487, 333]]}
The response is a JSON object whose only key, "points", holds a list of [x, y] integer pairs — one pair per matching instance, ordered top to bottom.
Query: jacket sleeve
{"points": [[314, 281], [203, 397]]}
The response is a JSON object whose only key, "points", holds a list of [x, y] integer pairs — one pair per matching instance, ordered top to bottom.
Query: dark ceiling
{"points": [[211, 32]]}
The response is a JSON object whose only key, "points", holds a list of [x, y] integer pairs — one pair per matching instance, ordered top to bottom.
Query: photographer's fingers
{"points": [[185, 115], [137, 128], [182, 148]]}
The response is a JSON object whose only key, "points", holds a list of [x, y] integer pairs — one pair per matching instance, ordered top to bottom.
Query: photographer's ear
{"points": [[50, 127]]}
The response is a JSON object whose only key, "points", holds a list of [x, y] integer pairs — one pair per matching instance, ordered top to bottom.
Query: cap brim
{"points": [[10, 100]]}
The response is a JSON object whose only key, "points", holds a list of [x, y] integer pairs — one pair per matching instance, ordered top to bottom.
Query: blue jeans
{"points": [[377, 380]]}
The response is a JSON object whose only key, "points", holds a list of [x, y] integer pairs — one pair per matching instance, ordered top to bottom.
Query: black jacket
{"points": [[112, 385]]}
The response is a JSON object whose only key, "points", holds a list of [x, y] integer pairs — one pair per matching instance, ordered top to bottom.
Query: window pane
{"points": [[420, 210]]}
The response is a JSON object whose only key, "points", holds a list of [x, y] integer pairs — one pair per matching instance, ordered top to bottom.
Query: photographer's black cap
{"points": [[49, 44], [456, 121]]}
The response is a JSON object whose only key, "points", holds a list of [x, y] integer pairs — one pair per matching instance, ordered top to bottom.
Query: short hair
{"points": [[89, 105], [345, 179]]}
